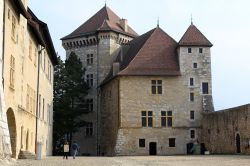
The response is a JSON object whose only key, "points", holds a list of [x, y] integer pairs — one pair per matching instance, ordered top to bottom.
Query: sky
{"points": [[226, 23]]}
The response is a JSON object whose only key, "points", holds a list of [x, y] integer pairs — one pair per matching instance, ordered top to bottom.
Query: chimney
{"points": [[124, 24], [116, 68]]}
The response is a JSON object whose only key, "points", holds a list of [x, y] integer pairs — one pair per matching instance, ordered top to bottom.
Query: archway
{"points": [[12, 129], [238, 150]]}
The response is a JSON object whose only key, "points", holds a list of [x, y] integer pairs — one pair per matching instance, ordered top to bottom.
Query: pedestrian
{"points": [[75, 149], [65, 150]]}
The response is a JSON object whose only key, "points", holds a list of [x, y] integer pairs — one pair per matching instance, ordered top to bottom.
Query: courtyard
{"points": [[209, 160]]}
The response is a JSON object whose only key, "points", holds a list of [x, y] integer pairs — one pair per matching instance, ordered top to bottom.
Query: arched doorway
{"points": [[12, 129], [238, 150]]}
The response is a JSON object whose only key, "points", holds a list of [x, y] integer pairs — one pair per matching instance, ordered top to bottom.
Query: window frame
{"points": [[189, 50], [200, 50], [156, 87], [205, 91], [191, 97], [192, 115], [89, 129], [171, 142], [142, 143]]}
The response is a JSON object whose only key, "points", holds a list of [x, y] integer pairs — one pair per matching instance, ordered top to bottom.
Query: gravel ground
{"points": [[211, 160]]}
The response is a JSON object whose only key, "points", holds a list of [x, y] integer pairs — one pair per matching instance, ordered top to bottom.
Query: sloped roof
{"points": [[20, 7], [104, 19], [42, 34], [193, 37], [153, 53]]}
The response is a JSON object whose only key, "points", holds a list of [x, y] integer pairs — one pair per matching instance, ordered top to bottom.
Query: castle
{"points": [[148, 93]]}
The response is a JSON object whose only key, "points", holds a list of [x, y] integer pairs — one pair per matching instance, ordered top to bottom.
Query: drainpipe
{"points": [[37, 95]]}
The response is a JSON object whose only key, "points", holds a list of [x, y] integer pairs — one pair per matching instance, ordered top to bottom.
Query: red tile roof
{"points": [[104, 19], [193, 37], [153, 53]]}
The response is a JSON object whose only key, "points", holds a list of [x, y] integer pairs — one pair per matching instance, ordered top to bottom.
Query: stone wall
{"points": [[104, 53], [220, 128]]}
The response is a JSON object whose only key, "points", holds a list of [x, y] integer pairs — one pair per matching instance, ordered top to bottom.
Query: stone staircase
{"points": [[26, 155]]}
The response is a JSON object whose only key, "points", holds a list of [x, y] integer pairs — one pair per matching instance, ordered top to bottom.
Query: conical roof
{"points": [[104, 19], [193, 37]]}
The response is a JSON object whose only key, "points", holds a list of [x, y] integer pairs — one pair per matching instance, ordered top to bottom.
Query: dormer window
{"points": [[189, 50]]}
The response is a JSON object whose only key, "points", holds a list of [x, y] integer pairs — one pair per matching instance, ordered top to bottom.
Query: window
{"points": [[8, 13], [13, 28], [30, 49], [189, 50], [200, 50], [35, 56], [89, 59], [44, 60], [195, 65], [12, 71], [90, 80], [191, 81], [156, 86], [205, 88], [192, 96], [28, 98], [90, 105], [43, 108], [192, 115], [147, 118], [163, 119], [170, 119], [89, 129], [192, 133], [171, 142], [141, 143]]}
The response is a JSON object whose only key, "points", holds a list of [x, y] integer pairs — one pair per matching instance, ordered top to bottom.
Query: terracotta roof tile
{"points": [[104, 19], [193, 37], [153, 53]]}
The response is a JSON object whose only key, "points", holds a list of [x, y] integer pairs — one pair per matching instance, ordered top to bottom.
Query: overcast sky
{"points": [[226, 23]]}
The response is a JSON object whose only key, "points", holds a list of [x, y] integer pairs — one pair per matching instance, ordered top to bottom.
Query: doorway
{"points": [[12, 129], [152, 148], [238, 150]]}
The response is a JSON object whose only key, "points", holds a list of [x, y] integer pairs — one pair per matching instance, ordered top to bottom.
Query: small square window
{"points": [[189, 50], [200, 50], [195, 65], [171, 142], [141, 143]]}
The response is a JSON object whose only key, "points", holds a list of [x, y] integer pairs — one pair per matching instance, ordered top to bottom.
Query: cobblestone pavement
{"points": [[212, 160]]}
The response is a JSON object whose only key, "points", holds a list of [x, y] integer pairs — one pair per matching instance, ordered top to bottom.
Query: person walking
{"points": [[75, 149], [65, 150]]}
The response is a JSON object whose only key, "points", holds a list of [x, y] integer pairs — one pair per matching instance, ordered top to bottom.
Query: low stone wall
{"points": [[227, 131]]}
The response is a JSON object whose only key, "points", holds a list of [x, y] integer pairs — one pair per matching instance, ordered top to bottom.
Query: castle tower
{"points": [[97, 44], [195, 65]]}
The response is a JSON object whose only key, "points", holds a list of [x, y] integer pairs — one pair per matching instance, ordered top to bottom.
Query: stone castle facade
{"points": [[28, 66], [148, 93]]}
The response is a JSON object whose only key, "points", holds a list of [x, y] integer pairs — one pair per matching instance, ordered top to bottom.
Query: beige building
{"points": [[29, 59], [153, 99]]}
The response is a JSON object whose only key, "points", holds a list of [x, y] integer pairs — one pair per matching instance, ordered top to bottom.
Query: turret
{"points": [[195, 63]]}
